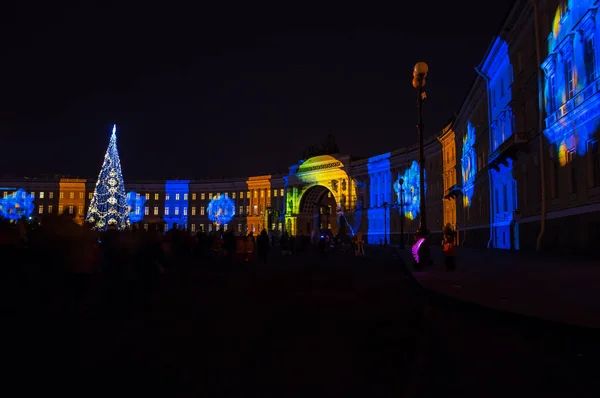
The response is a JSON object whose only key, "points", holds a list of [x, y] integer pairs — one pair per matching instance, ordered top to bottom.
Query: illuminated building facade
{"points": [[452, 189], [71, 198]]}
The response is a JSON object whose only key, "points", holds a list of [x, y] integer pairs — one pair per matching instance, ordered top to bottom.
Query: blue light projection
{"points": [[496, 69], [572, 88], [468, 164], [380, 192], [412, 199], [135, 203], [176, 203], [16, 205], [221, 209]]}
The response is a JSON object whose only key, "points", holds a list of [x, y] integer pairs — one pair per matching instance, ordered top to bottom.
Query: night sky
{"points": [[207, 92]]}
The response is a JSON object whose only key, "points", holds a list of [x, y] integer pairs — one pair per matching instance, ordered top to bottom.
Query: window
{"points": [[589, 56], [570, 78], [552, 92], [595, 166], [572, 171], [556, 178], [281, 192], [255, 193], [262, 193], [275, 193], [218, 194], [226, 194], [41, 195], [51, 195], [61, 195], [71, 195], [80, 195], [210, 195], [233, 195], [241, 195], [137, 196], [147, 196], [155, 196], [167, 196], [176, 196], [185, 196], [193, 196], [202, 196], [248, 196], [496, 203], [50, 208], [41, 209], [60, 209], [71, 209], [80, 210], [146, 210], [155, 210], [193, 210], [201, 210], [241, 210], [247, 210], [166, 211], [176, 211], [185, 211], [146, 226], [193, 227], [201, 227], [209, 227], [224, 227], [239, 227]]}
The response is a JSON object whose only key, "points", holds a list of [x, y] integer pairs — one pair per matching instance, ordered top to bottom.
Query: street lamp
{"points": [[419, 79], [385, 207]]}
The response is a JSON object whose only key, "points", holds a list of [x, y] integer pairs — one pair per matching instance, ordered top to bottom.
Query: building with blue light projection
{"points": [[517, 167], [176, 204]]}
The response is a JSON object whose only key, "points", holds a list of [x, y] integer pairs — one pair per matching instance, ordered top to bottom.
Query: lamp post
{"points": [[419, 75], [419, 79], [401, 181], [385, 207]]}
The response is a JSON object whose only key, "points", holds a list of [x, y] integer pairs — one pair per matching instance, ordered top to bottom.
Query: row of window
{"points": [[234, 195], [50, 209], [256, 210], [240, 227]]}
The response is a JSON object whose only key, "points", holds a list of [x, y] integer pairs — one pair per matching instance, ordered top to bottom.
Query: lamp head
{"points": [[420, 69]]}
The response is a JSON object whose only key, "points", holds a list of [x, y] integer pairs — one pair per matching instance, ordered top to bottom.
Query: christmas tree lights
{"points": [[109, 202]]}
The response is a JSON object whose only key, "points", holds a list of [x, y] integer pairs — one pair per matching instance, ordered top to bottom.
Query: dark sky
{"points": [[231, 91]]}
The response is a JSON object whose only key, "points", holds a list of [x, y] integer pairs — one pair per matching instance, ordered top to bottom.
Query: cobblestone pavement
{"points": [[299, 327]]}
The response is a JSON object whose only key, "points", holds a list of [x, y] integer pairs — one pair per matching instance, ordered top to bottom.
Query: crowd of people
{"points": [[64, 259]]}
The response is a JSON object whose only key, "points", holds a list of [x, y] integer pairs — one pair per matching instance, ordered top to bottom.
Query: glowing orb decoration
{"points": [[16, 205], [221, 209]]}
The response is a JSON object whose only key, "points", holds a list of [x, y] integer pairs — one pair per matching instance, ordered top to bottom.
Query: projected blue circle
{"points": [[221, 209]]}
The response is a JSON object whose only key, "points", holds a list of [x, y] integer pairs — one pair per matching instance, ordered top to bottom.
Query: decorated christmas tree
{"points": [[109, 202]]}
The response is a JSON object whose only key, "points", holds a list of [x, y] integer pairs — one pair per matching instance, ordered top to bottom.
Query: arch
{"points": [[313, 196]]}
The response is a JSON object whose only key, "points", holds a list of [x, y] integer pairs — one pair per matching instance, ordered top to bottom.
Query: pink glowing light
{"points": [[415, 249]]}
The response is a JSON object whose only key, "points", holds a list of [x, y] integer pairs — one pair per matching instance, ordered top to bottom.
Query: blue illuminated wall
{"points": [[497, 71], [571, 88], [468, 165], [380, 192], [411, 194], [135, 202], [176, 203], [16, 205]]}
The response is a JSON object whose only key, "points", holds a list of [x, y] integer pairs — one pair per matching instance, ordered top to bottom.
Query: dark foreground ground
{"points": [[299, 327]]}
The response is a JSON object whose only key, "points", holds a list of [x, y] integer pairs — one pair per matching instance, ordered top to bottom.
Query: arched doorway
{"points": [[317, 210]]}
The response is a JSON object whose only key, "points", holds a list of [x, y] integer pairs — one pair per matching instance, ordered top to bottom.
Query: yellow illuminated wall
{"points": [[448, 141], [72, 198], [259, 200]]}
